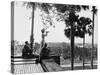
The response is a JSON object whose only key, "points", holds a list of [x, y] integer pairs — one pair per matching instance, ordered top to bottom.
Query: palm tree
{"points": [[71, 9], [94, 10], [72, 16], [84, 22]]}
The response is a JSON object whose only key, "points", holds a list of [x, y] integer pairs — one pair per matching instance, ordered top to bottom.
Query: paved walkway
{"points": [[23, 66], [27, 68]]}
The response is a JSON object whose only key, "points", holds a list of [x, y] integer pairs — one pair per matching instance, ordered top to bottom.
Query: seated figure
{"points": [[26, 52], [44, 52]]}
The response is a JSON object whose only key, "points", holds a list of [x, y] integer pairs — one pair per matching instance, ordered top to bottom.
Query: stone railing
{"points": [[51, 66]]}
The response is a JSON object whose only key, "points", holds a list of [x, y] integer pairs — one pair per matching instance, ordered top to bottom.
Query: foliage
{"points": [[45, 8], [68, 14], [82, 26]]}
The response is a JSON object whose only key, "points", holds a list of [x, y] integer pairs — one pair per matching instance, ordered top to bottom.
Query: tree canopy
{"points": [[68, 14], [82, 25]]}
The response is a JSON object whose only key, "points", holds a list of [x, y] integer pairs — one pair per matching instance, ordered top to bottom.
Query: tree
{"points": [[44, 7], [94, 10], [67, 13], [84, 23], [80, 29]]}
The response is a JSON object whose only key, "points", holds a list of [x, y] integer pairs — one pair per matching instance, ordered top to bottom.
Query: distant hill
{"points": [[58, 44], [65, 45]]}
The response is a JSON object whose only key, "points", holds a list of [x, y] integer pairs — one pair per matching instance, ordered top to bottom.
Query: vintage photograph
{"points": [[51, 37]]}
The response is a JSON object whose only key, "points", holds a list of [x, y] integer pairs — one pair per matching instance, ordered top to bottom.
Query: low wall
{"points": [[51, 65]]}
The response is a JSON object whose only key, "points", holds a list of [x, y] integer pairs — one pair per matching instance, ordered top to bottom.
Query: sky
{"points": [[22, 27]]}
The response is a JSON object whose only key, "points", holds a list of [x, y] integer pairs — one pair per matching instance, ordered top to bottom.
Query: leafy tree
{"points": [[44, 7], [68, 14]]}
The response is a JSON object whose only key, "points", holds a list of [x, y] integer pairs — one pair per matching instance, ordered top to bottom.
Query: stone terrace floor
{"points": [[24, 66]]}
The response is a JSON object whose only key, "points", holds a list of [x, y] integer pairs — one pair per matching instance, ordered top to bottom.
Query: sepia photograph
{"points": [[52, 37]]}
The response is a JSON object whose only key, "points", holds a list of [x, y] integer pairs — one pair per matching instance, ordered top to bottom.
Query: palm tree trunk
{"points": [[72, 38], [92, 41], [72, 47], [83, 52]]}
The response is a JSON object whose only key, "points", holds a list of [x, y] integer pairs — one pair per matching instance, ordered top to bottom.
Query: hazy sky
{"points": [[22, 26]]}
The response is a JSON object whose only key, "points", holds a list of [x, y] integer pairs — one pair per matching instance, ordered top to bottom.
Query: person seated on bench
{"points": [[26, 50], [44, 52]]}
